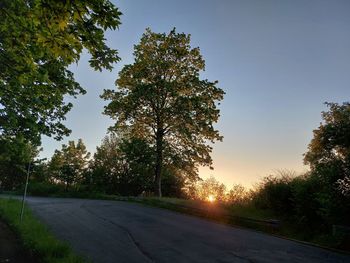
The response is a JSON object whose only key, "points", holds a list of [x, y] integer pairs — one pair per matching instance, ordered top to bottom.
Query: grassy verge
{"points": [[35, 237]]}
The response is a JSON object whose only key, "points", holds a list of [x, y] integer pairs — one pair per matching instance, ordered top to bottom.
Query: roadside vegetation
{"points": [[35, 237]]}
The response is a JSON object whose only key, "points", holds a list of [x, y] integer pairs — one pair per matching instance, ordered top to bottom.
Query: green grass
{"points": [[36, 238]]}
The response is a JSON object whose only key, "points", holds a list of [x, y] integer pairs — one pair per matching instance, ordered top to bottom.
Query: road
{"points": [[111, 231]]}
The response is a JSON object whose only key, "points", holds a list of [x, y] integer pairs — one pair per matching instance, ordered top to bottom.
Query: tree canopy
{"points": [[39, 39], [162, 99], [331, 139], [15, 155], [329, 158], [69, 164], [122, 165], [210, 188]]}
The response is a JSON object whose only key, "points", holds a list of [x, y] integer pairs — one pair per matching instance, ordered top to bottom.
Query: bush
{"points": [[44, 189], [275, 192], [238, 195], [305, 203], [312, 203]]}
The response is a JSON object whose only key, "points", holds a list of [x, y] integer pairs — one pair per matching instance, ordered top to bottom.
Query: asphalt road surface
{"points": [[110, 231]]}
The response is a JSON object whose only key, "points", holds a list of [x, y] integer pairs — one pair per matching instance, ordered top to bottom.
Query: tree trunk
{"points": [[159, 163]]}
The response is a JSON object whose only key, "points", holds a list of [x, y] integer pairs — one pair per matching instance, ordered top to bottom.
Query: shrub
{"points": [[44, 189], [275, 192], [238, 195]]}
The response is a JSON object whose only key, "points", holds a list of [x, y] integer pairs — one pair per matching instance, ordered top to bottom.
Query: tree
{"points": [[39, 39], [162, 99], [330, 145], [15, 155], [329, 158], [138, 159], [68, 164], [106, 165], [122, 165], [173, 182], [210, 190], [275, 192], [237, 194]]}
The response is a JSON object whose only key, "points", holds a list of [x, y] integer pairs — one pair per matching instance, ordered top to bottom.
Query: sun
{"points": [[211, 198]]}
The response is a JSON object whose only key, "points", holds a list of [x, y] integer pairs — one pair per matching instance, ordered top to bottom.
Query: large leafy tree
{"points": [[39, 39], [162, 99], [329, 158]]}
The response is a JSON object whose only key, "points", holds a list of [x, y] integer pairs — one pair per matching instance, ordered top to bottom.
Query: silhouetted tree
{"points": [[162, 99], [331, 141], [329, 158], [210, 188], [237, 194]]}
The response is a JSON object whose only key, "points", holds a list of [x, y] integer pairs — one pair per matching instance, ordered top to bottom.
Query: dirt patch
{"points": [[11, 250]]}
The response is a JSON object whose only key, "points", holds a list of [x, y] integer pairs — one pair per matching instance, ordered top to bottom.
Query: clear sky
{"points": [[278, 62]]}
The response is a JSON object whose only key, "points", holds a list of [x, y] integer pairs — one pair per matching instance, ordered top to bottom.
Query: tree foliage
{"points": [[39, 39], [162, 99], [331, 141], [329, 151], [15, 155], [329, 158], [69, 164], [106, 165], [122, 165], [210, 188], [275, 192], [238, 194]]}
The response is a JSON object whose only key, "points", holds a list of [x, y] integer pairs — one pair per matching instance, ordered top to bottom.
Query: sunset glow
{"points": [[211, 198]]}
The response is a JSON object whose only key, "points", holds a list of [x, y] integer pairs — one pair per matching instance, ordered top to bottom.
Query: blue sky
{"points": [[278, 62]]}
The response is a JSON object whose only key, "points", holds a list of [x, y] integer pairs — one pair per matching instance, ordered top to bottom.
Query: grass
{"points": [[36, 238]]}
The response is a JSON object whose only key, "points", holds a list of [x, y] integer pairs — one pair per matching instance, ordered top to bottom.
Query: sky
{"points": [[278, 62]]}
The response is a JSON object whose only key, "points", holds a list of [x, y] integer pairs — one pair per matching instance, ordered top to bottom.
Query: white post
{"points": [[25, 192]]}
